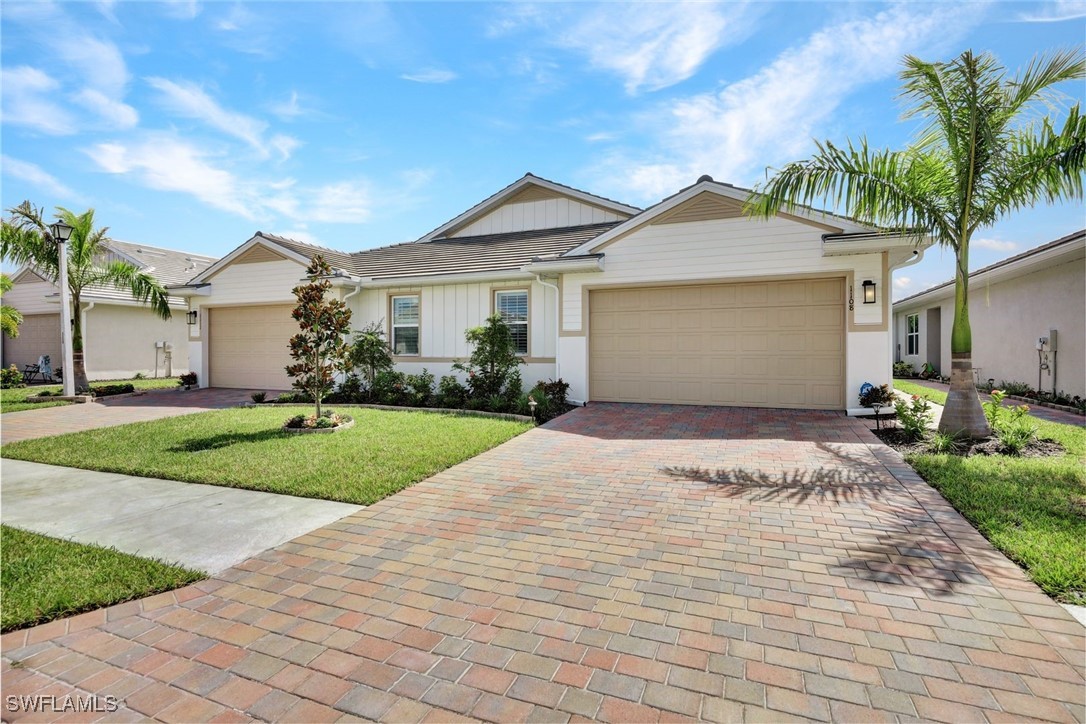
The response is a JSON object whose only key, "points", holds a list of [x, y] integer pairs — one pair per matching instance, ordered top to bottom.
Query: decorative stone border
{"points": [[78, 399], [1050, 405], [306, 430]]}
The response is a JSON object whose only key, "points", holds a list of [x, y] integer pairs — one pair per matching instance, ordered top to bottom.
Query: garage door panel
{"points": [[39, 334], [774, 344], [249, 346]]}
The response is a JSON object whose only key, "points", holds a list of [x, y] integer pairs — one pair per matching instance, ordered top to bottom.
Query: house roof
{"points": [[529, 179], [456, 255], [1008, 265]]}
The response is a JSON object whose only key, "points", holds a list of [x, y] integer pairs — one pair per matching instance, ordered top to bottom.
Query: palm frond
{"points": [[25, 240], [144, 287]]}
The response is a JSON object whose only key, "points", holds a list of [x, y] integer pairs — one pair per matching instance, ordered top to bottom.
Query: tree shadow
{"points": [[217, 442], [798, 486]]}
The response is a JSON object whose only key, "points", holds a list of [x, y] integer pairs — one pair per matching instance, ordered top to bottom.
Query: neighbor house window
{"points": [[513, 306], [405, 325], [912, 334]]}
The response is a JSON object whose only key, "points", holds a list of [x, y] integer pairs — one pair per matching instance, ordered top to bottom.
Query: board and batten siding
{"points": [[542, 214], [28, 296], [448, 310]]}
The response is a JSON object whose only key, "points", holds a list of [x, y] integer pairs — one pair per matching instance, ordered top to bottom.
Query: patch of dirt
{"points": [[895, 438]]}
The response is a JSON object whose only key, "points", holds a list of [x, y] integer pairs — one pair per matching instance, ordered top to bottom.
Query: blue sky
{"points": [[192, 125]]}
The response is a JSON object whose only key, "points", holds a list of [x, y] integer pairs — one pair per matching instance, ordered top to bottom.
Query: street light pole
{"points": [[61, 233]]}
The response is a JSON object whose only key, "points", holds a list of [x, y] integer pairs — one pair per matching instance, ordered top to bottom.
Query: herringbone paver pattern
{"points": [[624, 563]]}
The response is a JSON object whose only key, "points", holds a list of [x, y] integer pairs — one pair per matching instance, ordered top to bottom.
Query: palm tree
{"points": [[983, 151], [27, 239], [10, 318]]}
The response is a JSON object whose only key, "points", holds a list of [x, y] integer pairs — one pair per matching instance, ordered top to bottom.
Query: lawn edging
{"points": [[394, 408]]}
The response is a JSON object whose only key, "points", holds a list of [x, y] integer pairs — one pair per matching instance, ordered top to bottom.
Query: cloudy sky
{"points": [[191, 125]]}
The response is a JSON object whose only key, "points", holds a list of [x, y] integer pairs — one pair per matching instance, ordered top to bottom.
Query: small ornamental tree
{"points": [[319, 348], [370, 352], [493, 363]]}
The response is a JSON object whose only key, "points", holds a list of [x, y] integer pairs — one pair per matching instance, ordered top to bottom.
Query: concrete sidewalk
{"points": [[206, 527]]}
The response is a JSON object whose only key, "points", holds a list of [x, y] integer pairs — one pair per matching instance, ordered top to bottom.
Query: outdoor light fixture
{"points": [[61, 233], [869, 291], [191, 317]]}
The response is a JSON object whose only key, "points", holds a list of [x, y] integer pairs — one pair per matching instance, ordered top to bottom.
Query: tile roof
{"points": [[457, 255], [168, 266]]}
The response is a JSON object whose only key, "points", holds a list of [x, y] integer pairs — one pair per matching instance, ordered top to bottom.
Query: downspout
{"points": [[916, 257], [348, 296], [557, 325], [83, 326]]}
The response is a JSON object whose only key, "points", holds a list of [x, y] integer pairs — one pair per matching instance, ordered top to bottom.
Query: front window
{"points": [[513, 308], [405, 325], [912, 334]]}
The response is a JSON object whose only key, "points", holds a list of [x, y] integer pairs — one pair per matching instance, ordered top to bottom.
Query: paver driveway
{"points": [[108, 412], [625, 563]]}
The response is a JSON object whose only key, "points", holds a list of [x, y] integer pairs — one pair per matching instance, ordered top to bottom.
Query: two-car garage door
{"points": [[756, 344], [249, 346]]}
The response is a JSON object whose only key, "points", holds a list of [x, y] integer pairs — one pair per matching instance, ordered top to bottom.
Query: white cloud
{"points": [[182, 9], [1054, 12], [99, 62], [431, 75], [27, 100], [191, 101], [289, 109], [116, 113], [769, 117], [599, 137], [167, 163], [36, 176], [299, 235], [993, 244], [902, 283], [903, 287]]}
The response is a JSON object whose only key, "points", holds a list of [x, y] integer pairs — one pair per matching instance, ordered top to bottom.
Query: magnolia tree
{"points": [[319, 348]]}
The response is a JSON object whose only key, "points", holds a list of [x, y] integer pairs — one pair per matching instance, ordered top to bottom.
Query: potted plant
{"points": [[876, 398]]}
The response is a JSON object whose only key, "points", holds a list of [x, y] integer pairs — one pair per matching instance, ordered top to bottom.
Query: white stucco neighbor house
{"points": [[688, 301], [1013, 305], [121, 336]]}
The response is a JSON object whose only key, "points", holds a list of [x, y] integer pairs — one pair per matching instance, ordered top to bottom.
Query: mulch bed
{"points": [[895, 438]]}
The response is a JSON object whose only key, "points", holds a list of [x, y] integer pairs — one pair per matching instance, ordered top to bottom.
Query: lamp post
{"points": [[61, 233]]}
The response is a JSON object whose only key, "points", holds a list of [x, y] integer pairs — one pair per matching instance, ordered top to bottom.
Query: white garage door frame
{"points": [[846, 276], [207, 314]]}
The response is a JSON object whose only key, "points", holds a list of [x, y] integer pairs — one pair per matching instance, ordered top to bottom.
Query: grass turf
{"points": [[14, 399], [245, 448], [1032, 509], [43, 578]]}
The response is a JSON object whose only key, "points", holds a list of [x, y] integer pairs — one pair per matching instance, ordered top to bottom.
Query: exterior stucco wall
{"points": [[731, 250], [1008, 316]]}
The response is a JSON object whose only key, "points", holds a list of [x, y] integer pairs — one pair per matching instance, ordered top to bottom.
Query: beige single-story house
{"points": [[688, 301], [1013, 305], [121, 336]]}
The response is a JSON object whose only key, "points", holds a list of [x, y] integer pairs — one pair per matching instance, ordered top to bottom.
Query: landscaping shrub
{"points": [[370, 353], [492, 363], [904, 369], [139, 376], [11, 377], [187, 380], [389, 388], [419, 389], [1019, 389], [107, 390], [349, 391], [450, 393], [881, 395], [259, 397], [293, 397], [550, 399], [914, 417], [1010, 425], [942, 442]]}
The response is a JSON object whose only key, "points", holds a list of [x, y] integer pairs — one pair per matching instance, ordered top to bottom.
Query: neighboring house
{"points": [[686, 302], [1012, 305], [120, 336]]}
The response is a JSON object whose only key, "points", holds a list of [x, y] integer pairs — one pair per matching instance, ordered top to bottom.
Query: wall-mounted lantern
{"points": [[869, 291], [191, 317]]}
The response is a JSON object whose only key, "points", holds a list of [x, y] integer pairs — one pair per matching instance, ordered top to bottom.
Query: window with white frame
{"points": [[512, 305], [405, 324], [912, 334]]}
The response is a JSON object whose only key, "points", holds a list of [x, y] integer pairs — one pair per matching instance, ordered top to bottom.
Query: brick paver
{"points": [[109, 412], [623, 563]]}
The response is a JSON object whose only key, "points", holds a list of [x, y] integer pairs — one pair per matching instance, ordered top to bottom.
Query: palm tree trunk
{"points": [[80, 371], [963, 414]]}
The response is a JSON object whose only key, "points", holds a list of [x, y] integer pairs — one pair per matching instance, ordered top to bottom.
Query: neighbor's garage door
{"points": [[38, 334], [757, 344], [249, 347]]}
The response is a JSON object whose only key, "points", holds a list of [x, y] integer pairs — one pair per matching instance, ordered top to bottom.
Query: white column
{"points": [[66, 321]]}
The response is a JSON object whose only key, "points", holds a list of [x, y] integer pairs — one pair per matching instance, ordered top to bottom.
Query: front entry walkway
{"points": [[108, 412], [623, 563]]}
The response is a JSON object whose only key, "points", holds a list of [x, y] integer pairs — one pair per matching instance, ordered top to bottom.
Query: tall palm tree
{"points": [[983, 151], [27, 239], [10, 317]]}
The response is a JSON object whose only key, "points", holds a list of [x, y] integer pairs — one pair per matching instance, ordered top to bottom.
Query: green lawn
{"points": [[14, 399], [245, 448], [1032, 509], [44, 578]]}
